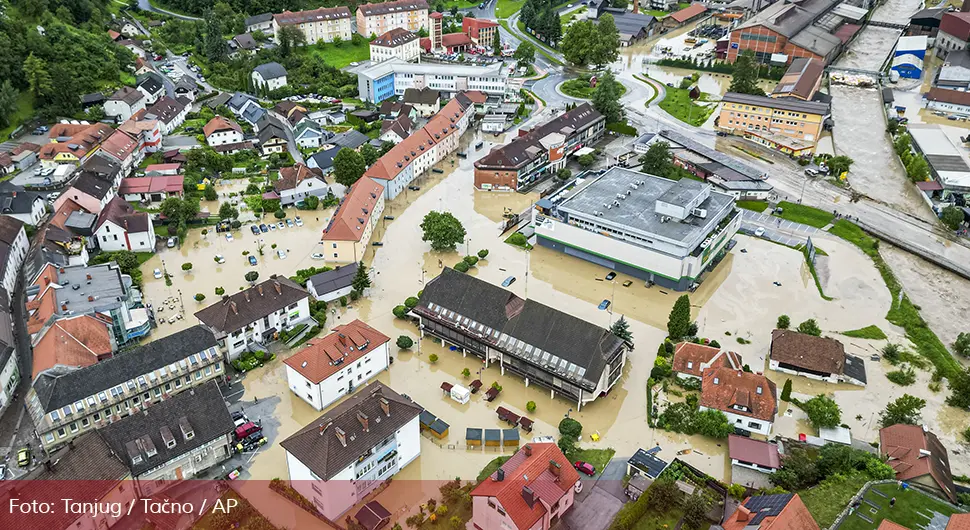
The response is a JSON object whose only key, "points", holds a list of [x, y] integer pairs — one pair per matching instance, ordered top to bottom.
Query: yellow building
{"points": [[379, 18], [323, 24], [788, 125], [346, 238]]}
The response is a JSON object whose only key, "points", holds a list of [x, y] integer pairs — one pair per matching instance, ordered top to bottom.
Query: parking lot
{"points": [[776, 229]]}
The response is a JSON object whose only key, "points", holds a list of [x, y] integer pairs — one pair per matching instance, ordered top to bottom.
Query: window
{"points": [[198, 375], [55, 416], [97, 416], [85, 422], [754, 425], [74, 427], [61, 433]]}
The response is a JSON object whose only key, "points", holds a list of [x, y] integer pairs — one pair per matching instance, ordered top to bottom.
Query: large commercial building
{"points": [[379, 18], [323, 24], [786, 30], [954, 33], [392, 77], [786, 124], [943, 150], [539, 152], [662, 231], [570, 356]]}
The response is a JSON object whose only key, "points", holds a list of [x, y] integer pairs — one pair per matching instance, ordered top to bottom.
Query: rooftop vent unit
{"points": [[699, 212]]}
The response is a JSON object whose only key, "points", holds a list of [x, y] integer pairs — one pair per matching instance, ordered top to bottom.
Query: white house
{"points": [[263, 23], [397, 42], [269, 76], [152, 87], [123, 103], [169, 113], [222, 131], [309, 135], [299, 182], [29, 208], [120, 227], [13, 250], [331, 285], [254, 317], [9, 360], [332, 367], [749, 400], [353, 448]]}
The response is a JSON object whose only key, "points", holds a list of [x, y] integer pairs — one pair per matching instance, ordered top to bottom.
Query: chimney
{"points": [[636, 6], [260, 289], [279, 290], [245, 295], [232, 307], [342, 338], [386, 406], [364, 420], [323, 428], [341, 435], [527, 450], [555, 468], [500, 475], [529, 496], [743, 513]]}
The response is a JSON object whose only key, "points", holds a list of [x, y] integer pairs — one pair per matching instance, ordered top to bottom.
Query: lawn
{"points": [[460, 4], [507, 8], [541, 47], [343, 55], [579, 88], [678, 104], [25, 109], [754, 206], [800, 213], [868, 332], [598, 457], [492, 466], [826, 500], [910, 510], [653, 520]]}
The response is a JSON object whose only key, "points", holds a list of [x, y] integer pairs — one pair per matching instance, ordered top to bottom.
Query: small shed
{"points": [[475, 386], [426, 418], [439, 429], [473, 437], [493, 437], [510, 437], [646, 463], [637, 485], [373, 516]]}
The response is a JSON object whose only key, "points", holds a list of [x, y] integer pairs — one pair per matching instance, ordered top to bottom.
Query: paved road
{"points": [[146, 5]]}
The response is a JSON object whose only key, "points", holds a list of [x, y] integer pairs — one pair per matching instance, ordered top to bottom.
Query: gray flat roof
{"points": [[792, 104], [713, 154], [637, 210], [98, 287]]}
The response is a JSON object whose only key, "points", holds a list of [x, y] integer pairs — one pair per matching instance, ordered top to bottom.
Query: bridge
{"points": [[891, 25]]}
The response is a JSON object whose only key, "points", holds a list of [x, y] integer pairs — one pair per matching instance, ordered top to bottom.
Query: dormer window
{"points": [[690, 364], [716, 380], [758, 390]]}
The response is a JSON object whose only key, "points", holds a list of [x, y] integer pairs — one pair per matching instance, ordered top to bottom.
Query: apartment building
{"points": [[379, 18], [323, 24], [399, 43], [393, 77], [786, 124], [222, 131], [540, 152], [346, 238], [13, 250], [9, 358], [67, 402]]}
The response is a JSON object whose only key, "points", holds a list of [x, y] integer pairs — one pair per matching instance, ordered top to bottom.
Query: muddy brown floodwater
{"points": [[739, 299]]}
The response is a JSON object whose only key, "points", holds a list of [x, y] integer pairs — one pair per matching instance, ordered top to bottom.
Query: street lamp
{"points": [[467, 241], [568, 411]]}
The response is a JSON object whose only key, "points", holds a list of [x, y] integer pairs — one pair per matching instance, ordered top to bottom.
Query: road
{"points": [[146, 5]]}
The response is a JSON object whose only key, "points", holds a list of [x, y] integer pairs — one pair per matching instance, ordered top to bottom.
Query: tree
{"points": [[620, 4], [289, 37], [213, 44], [497, 44], [576, 45], [606, 46], [525, 53], [38, 78], [744, 78], [606, 97], [8, 102], [386, 146], [369, 154], [586, 160], [657, 160], [839, 164], [348, 166], [563, 174], [210, 193], [310, 202], [179, 211], [228, 211], [952, 217], [442, 230], [483, 253], [186, 266], [251, 276], [361, 279], [220, 291], [199, 297], [411, 302], [400, 311], [679, 321], [783, 322], [810, 327], [621, 328], [404, 342], [962, 345], [433, 358], [466, 373], [959, 389], [786, 390], [530, 406], [905, 409], [822, 411], [713, 423], [570, 428], [664, 494], [695, 510]]}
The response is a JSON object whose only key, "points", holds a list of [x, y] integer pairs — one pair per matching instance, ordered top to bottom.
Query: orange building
{"points": [[786, 124]]}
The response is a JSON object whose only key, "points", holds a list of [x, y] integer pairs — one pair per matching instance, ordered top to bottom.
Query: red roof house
{"points": [[151, 188], [690, 359], [918, 457], [784, 511]]}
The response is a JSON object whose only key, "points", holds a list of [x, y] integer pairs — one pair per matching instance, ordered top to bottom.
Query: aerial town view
{"points": [[485, 265]]}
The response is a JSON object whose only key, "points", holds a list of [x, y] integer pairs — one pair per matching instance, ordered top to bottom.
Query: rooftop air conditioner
{"points": [[699, 212]]}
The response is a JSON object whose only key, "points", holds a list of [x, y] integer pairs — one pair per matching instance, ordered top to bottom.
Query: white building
{"points": [[262, 23], [323, 24], [396, 43], [269, 76], [392, 77], [152, 86], [123, 103], [170, 114], [222, 131], [299, 182], [28, 208], [120, 227], [661, 231], [13, 250], [331, 285], [252, 318], [9, 363], [332, 367], [749, 400], [175, 439], [353, 448]]}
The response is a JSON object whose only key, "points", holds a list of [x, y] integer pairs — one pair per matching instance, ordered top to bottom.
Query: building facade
{"points": [[379, 18], [318, 25], [396, 43], [393, 77], [790, 126], [346, 238], [13, 249], [749, 400]]}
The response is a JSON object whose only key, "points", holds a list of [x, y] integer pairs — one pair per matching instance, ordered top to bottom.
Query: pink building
{"points": [[531, 491]]}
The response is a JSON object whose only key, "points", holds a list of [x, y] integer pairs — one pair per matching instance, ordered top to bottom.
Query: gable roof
{"points": [[394, 6], [688, 12], [299, 17], [258, 19], [394, 38], [245, 41], [270, 70], [800, 78], [151, 83], [128, 95], [944, 95], [421, 96], [792, 104], [165, 109], [219, 124], [401, 126], [270, 128], [351, 139], [518, 152], [291, 177], [156, 184], [92, 186], [18, 201], [354, 211], [119, 212], [10, 228], [333, 280], [241, 309], [74, 342], [345, 344], [818, 354], [690, 358], [58, 388], [723, 388], [200, 410], [317, 445], [753, 451], [913, 451], [543, 469], [784, 511], [958, 521]]}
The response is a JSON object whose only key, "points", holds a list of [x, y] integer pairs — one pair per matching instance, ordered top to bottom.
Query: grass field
{"points": [[461, 4], [507, 8], [540, 46], [343, 55], [579, 88], [678, 104], [25, 109], [754, 206], [800, 213], [868, 332], [598, 457], [491, 467], [826, 500], [912, 509]]}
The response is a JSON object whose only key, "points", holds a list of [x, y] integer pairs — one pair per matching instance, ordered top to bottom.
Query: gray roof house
{"points": [[955, 72], [331, 285]]}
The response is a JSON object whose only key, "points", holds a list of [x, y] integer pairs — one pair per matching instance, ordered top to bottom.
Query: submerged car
{"points": [[299, 222], [289, 223], [263, 228], [255, 229], [228, 236], [171, 242], [317, 255], [220, 259], [252, 260], [157, 273], [508, 281], [604, 304]]}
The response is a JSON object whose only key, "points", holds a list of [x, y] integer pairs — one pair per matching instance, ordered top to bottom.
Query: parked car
{"points": [[811, 172], [53, 196], [299, 222], [289, 223], [281, 225], [272, 227], [263, 228], [255, 229], [760, 232], [228, 236], [171, 242], [281, 254], [317, 255], [220, 259], [252, 260], [157, 273], [610, 276], [508, 281], [604, 304], [246, 429], [23, 457], [585, 467], [3, 471]]}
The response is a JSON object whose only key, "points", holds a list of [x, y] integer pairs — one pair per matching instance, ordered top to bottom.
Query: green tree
{"points": [[289, 37], [497, 43], [577, 44], [214, 45], [606, 48], [525, 53], [744, 77], [38, 78], [606, 97], [8, 102], [386, 146], [369, 154], [586, 160], [657, 160], [839, 164], [348, 166], [564, 174], [209, 193], [310, 202], [228, 211], [952, 217], [443, 230], [483, 253], [186, 267], [251, 276], [361, 279], [199, 297], [783, 322], [678, 323], [810, 327], [621, 328], [404, 342], [961, 346], [433, 358], [959, 389], [786, 390], [530, 407], [905, 409], [822, 411], [713, 423], [570, 428], [799, 469], [664, 494], [695, 510]]}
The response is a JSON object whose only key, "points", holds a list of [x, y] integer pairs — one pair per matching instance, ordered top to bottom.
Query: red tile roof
{"points": [[688, 12], [956, 24], [450, 40], [948, 96], [220, 124], [81, 142], [120, 145], [163, 167], [291, 177], [162, 183], [355, 211], [119, 212], [75, 342], [344, 345], [693, 359], [725, 388], [754, 451], [914, 452], [534, 470], [794, 516], [958, 521], [886, 524]]}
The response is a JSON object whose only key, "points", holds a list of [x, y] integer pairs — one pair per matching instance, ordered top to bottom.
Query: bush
{"points": [[280, 214], [236, 223], [518, 240], [482, 253], [470, 260], [186, 266], [461, 266], [220, 291], [354, 296], [199, 297], [343, 301], [411, 302], [400, 311], [783, 322], [810, 327], [404, 342], [433, 358], [466, 373], [903, 377], [786, 390], [530, 406], [570, 428], [737, 491]]}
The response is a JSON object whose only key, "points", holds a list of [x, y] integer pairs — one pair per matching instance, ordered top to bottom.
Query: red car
{"points": [[585, 467]]}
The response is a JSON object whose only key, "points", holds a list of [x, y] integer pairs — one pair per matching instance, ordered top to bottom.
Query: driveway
{"points": [[594, 512]]}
